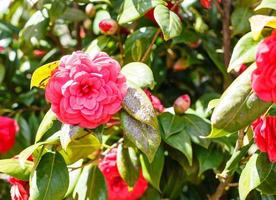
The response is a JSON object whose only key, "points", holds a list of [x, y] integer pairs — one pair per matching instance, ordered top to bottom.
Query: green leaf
{"points": [[267, 4], [133, 9], [73, 15], [100, 15], [239, 20], [168, 21], [259, 22], [138, 42], [102, 43], [244, 52], [2, 73], [42, 74], [139, 74], [138, 105], [238, 107], [171, 124], [45, 125], [68, 133], [145, 137], [182, 142], [80, 148], [208, 159], [128, 165], [13, 168], [152, 171], [255, 172], [74, 176], [50, 178], [91, 185], [151, 194]]}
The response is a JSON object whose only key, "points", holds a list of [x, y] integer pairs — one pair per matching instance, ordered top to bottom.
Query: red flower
{"points": [[207, 3], [108, 26], [243, 67], [264, 76], [156, 103], [182, 103], [8, 129], [265, 136], [116, 186], [19, 189]]}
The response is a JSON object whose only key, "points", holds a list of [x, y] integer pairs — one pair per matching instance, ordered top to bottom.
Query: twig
{"points": [[218, 7], [77, 28], [226, 31], [144, 58]]}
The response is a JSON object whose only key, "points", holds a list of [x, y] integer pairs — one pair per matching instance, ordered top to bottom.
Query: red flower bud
{"points": [[90, 10], [108, 26], [195, 44], [1, 49], [39, 52], [156, 103], [181, 104], [8, 129]]}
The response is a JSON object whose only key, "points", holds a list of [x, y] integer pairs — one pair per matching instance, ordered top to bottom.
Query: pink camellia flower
{"points": [[207, 3], [108, 26], [264, 76], [86, 90], [156, 103], [181, 104], [8, 129], [265, 135], [116, 186], [19, 189]]}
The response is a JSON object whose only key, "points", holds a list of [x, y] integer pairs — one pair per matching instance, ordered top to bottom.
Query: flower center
{"points": [[86, 88]]}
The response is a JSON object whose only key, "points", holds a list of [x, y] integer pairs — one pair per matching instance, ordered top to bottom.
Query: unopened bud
{"points": [[108, 26], [181, 104]]}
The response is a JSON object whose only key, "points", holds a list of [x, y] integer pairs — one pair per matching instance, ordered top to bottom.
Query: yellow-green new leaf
{"points": [[267, 4], [258, 22], [42, 74]]}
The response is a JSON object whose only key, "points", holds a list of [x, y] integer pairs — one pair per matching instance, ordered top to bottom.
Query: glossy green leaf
{"points": [[267, 4], [133, 9], [168, 21], [102, 43], [244, 52], [138, 74], [138, 105], [238, 107], [171, 124], [45, 125], [145, 137], [182, 142], [80, 148], [208, 159], [128, 165], [13, 168], [152, 171], [255, 172], [74, 176], [50, 178], [151, 194]]}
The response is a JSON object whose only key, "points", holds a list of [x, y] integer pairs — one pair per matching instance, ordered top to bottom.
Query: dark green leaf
{"points": [[240, 20], [171, 124], [50, 178]]}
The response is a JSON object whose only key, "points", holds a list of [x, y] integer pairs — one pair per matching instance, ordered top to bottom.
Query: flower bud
{"points": [[90, 10], [108, 26], [39, 52], [180, 65], [181, 104]]}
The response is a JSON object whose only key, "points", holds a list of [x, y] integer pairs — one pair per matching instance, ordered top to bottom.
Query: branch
{"points": [[226, 31]]}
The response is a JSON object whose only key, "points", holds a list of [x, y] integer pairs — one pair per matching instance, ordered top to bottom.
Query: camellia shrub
{"points": [[129, 99]]}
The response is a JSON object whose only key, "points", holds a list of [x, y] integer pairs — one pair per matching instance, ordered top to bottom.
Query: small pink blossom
{"points": [[86, 90], [156, 103], [182, 103]]}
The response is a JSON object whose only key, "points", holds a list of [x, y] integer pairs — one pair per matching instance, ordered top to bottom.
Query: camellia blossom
{"points": [[207, 3], [264, 76], [86, 90], [156, 103], [8, 129], [265, 135], [116, 186], [19, 189]]}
